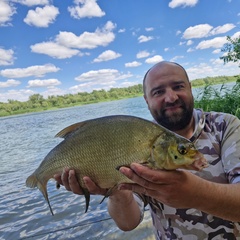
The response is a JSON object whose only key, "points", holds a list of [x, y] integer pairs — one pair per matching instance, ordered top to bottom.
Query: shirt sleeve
{"points": [[230, 149]]}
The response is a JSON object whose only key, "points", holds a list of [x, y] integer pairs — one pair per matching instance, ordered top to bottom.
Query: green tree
{"points": [[232, 50]]}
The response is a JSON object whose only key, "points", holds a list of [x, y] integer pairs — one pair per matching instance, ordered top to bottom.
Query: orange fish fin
{"points": [[70, 129], [33, 182]]}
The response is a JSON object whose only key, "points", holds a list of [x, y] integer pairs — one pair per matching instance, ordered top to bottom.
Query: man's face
{"points": [[169, 96]]}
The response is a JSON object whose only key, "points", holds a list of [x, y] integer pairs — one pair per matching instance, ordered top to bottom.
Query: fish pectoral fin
{"points": [[69, 130], [109, 192]]}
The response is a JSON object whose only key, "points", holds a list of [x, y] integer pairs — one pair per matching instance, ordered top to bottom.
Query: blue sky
{"points": [[62, 46]]}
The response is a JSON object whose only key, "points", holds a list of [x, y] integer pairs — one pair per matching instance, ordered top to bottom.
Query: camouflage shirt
{"points": [[219, 140]]}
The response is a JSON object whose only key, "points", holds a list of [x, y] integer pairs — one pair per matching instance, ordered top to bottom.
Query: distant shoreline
{"points": [[39, 104]]}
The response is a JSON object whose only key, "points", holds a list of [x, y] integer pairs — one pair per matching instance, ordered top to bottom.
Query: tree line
{"points": [[37, 102]]}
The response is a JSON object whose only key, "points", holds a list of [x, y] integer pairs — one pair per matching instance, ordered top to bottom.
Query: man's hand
{"points": [[69, 180], [177, 188]]}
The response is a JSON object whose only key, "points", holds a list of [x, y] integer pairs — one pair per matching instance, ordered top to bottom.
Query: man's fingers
{"points": [[64, 177]]}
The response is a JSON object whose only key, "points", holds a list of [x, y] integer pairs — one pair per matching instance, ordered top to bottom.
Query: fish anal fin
{"points": [[70, 129]]}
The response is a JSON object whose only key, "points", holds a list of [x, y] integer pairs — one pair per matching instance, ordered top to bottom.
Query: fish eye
{"points": [[182, 149]]}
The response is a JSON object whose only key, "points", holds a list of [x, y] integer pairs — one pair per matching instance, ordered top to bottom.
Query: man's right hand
{"points": [[69, 180]]}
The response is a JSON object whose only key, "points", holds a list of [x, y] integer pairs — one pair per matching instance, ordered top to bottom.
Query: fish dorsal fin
{"points": [[69, 130]]}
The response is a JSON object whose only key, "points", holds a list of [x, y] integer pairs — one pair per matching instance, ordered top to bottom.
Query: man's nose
{"points": [[170, 96]]}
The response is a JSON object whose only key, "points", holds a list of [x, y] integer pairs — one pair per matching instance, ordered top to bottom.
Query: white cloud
{"points": [[30, 3], [182, 3], [86, 8], [7, 10], [41, 17], [149, 29], [222, 29], [122, 30], [206, 30], [198, 31], [178, 32], [101, 37], [143, 38], [189, 42], [217, 42], [62, 46], [54, 50], [190, 50], [216, 51], [143, 54], [106, 56], [6, 57], [154, 59], [174, 59], [133, 64], [216, 67], [37, 70], [106, 74], [99, 79], [9, 83], [36, 83], [20, 95]]}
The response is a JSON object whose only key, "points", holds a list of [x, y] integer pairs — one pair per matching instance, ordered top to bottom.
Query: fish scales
{"points": [[96, 147]]}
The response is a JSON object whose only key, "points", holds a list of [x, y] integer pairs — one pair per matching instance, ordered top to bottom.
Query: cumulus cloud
{"points": [[30, 3], [182, 3], [86, 8], [7, 10], [41, 17], [149, 29], [222, 29], [206, 30], [198, 31], [101, 37], [143, 38], [217, 42], [66, 44], [54, 50], [143, 54], [106, 56], [6, 57], [154, 59], [133, 64], [216, 67], [37, 71], [101, 75], [99, 79], [9, 83], [36, 83], [20, 95]]}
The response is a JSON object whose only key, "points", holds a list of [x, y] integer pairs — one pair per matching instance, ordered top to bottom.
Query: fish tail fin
{"points": [[32, 182]]}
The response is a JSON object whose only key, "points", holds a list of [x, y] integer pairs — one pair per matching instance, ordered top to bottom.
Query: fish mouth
{"points": [[199, 163]]}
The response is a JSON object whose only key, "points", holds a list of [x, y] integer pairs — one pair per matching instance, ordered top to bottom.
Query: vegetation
{"points": [[232, 50], [223, 100], [38, 103]]}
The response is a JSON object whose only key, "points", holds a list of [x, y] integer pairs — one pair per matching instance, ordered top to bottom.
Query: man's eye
{"points": [[178, 87], [158, 92]]}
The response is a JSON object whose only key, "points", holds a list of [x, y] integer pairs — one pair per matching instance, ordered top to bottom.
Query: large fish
{"points": [[98, 147]]}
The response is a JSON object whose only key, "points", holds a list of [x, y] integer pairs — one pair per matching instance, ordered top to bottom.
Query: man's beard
{"points": [[177, 121]]}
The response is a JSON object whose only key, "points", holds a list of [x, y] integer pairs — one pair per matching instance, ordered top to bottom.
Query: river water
{"points": [[24, 214]]}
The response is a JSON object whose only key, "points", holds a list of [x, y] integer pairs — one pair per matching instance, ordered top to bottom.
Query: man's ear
{"points": [[145, 98]]}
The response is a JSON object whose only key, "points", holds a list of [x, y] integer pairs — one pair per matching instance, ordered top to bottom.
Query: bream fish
{"points": [[98, 147]]}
